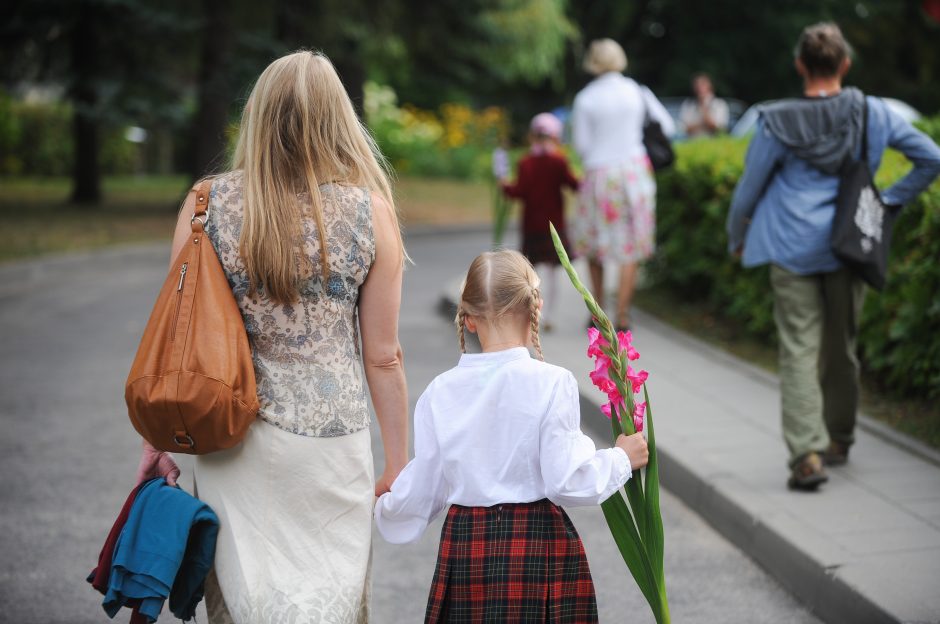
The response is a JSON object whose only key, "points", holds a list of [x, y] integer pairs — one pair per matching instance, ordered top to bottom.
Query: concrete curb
{"points": [[901, 440], [792, 564], [827, 596]]}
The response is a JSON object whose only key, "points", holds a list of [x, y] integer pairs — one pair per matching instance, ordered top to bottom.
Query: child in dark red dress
{"points": [[543, 173]]}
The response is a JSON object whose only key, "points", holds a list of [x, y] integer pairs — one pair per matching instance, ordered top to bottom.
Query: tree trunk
{"points": [[352, 72], [208, 134], [86, 173]]}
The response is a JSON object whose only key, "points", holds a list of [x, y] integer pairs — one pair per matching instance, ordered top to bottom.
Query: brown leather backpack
{"points": [[192, 387]]}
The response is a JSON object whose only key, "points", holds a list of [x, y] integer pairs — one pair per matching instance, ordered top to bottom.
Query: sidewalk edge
{"points": [[866, 422], [820, 589]]}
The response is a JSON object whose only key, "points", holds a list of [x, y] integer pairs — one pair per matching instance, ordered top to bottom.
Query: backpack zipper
{"points": [[179, 298]]}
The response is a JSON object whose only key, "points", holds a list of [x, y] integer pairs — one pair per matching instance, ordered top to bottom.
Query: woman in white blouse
{"points": [[616, 219], [499, 439]]}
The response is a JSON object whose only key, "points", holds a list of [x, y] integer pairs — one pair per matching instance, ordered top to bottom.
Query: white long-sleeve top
{"points": [[607, 120], [501, 427]]}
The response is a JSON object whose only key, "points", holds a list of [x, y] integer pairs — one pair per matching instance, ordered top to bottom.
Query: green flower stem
{"points": [[501, 208], [654, 519], [637, 528]]}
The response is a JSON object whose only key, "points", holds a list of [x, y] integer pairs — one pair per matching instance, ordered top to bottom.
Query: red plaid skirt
{"points": [[511, 563]]}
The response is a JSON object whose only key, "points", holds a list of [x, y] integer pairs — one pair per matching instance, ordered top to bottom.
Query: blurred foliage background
{"points": [[444, 81], [109, 109]]}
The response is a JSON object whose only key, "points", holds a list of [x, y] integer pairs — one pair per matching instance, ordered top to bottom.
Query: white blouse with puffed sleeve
{"points": [[499, 428]]}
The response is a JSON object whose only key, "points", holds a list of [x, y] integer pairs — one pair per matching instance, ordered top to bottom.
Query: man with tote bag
{"points": [[782, 213]]}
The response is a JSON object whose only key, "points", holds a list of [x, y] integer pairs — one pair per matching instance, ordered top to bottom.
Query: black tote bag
{"points": [[657, 144], [862, 226]]}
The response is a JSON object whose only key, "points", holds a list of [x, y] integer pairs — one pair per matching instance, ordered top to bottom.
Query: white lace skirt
{"points": [[295, 537]]}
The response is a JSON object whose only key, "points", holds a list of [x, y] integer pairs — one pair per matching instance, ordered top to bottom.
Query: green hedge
{"points": [[36, 140], [455, 141], [900, 334]]}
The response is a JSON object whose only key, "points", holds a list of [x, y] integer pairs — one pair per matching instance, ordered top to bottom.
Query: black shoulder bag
{"points": [[657, 144], [862, 226]]}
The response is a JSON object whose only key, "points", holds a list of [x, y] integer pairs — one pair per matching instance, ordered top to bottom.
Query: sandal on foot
{"points": [[807, 474]]}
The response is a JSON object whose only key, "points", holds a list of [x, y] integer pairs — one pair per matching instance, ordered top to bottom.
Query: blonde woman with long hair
{"points": [[309, 239]]}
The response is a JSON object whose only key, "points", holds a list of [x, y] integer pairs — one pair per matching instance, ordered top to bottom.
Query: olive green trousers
{"points": [[817, 325]]}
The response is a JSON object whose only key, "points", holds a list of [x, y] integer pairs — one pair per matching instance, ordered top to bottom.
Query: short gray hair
{"points": [[605, 55]]}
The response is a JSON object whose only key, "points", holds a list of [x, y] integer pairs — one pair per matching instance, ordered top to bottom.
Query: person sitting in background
{"points": [[705, 114], [781, 214]]}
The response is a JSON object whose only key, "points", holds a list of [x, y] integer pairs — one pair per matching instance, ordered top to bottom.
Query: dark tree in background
{"points": [[83, 45], [216, 47], [747, 47], [118, 63], [181, 69]]}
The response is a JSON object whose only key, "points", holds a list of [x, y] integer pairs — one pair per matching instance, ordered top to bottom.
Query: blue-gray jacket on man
{"points": [[784, 203]]}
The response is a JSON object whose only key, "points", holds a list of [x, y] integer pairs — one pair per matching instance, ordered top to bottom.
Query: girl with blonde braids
{"points": [[498, 438]]}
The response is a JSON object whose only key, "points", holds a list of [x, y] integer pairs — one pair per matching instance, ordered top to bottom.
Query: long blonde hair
{"points": [[298, 130], [499, 284]]}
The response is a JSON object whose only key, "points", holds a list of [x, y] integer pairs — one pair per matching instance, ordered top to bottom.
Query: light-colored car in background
{"points": [[745, 125]]}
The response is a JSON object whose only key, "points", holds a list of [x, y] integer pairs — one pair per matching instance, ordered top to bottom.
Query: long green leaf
{"points": [[634, 487], [654, 519], [637, 529], [631, 549]]}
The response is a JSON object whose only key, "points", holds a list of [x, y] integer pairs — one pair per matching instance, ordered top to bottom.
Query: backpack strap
{"points": [[864, 154]]}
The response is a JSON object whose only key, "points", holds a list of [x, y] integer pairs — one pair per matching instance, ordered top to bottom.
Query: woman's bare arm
{"points": [[379, 303]]}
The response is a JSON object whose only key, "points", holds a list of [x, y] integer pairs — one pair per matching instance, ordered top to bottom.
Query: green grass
{"points": [[437, 201], [36, 217], [915, 417]]}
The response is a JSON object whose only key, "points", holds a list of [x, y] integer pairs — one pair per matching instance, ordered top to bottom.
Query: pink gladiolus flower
{"points": [[625, 339], [595, 342], [601, 364], [600, 377], [637, 378], [606, 385], [607, 410], [639, 411]]}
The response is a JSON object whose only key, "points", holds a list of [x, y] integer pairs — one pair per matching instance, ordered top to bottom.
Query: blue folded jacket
{"points": [[164, 551]]}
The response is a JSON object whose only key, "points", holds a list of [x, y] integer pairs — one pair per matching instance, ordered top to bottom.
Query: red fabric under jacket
{"points": [[100, 576]]}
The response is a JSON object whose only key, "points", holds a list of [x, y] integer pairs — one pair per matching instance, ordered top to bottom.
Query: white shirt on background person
{"points": [[692, 119], [607, 120]]}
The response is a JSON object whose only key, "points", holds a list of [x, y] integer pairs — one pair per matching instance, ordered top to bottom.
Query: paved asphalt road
{"points": [[69, 327]]}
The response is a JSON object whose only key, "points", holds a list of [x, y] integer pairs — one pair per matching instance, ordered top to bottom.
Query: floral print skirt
{"points": [[616, 219], [295, 527]]}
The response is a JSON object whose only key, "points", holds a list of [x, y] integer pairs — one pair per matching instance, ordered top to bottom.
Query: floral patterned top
{"points": [[306, 354]]}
